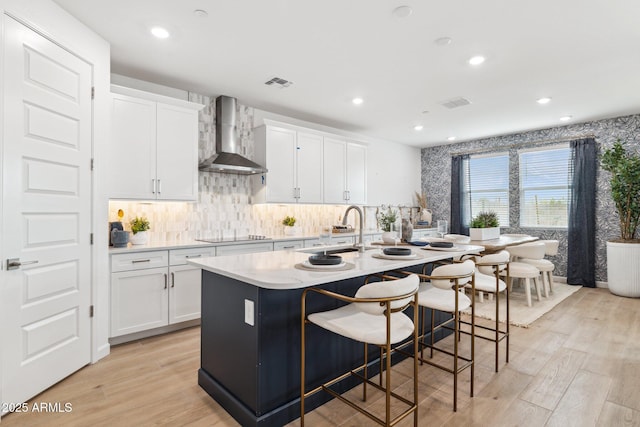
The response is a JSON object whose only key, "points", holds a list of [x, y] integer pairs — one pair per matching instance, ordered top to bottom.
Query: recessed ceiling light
{"points": [[402, 11], [201, 13], [160, 32], [443, 41], [477, 60], [544, 100], [357, 101], [565, 118], [418, 127], [451, 138]]}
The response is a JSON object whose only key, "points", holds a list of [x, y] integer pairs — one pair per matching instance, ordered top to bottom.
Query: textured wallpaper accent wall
{"points": [[436, 178]]}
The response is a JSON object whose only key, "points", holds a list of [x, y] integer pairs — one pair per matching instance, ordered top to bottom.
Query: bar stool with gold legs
{"points": [[487, 279], [443, 290], [373, 316]]}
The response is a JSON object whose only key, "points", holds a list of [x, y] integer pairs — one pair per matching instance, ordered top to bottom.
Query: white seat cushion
{"points": [[540, 264], [522, 270], [487, 283], [441, 299], [351, 322]]}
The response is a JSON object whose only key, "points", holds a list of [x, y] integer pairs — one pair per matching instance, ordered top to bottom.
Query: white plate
{"points": [[433, 239], [384, 256], [307, 264]]}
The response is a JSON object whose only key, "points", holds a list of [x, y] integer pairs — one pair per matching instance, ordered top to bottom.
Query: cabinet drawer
{"points": [[335, 240], [292, 244], [244, 249], [181, 256], [139, 261]]}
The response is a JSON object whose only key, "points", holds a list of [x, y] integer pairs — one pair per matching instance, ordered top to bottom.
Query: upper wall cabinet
{"points": [[153, 153], [294, 163], [345, 172]]}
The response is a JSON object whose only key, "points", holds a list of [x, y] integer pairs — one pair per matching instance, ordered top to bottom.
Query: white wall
{"points": [[393, 170]]}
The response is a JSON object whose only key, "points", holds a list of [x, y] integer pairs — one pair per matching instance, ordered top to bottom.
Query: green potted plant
{"points": [[386, 220], [289, 223], [485, 226], [139, 227], [623, 254]]}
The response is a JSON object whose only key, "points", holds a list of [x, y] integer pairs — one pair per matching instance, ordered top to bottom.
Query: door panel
{"points": [[46, 213]]}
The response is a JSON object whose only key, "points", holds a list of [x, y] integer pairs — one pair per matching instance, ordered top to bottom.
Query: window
{"points": [[545, 181], [485, 187]]}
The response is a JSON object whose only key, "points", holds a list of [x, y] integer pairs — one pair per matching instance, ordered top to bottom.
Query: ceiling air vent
{"points": [[278, 82], [455, 102]]}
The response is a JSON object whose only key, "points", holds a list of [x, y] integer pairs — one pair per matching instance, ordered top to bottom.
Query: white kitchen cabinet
{"points": [[153, 153], [294, 163], [345, 172], [336, 239], [288, 245], [244, 248], [154, 289], [139, 300]]}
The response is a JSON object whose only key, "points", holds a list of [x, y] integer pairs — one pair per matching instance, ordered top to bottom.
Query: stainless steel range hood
{"points": [[227, 159]]}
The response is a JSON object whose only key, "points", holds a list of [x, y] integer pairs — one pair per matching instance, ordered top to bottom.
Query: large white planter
{"points": [[484, 233], [623, 269]]}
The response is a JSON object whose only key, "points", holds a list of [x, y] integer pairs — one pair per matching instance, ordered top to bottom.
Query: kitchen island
{"points": [[250, 336]]}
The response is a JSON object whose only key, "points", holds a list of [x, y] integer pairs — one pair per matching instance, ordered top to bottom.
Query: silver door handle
{"points": [[153, 183], [159, 186], [15, 263], [165, 280], [173, 280]]}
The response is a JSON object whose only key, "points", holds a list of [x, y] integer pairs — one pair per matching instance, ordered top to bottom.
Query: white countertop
{"points": [[276, 270]]}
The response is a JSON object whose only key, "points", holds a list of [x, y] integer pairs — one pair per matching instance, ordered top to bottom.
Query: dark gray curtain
{"points": [[456, 224], [581, 251]]}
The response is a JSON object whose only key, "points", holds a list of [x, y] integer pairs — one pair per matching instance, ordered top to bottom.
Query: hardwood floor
{"points": [[579, 365]]}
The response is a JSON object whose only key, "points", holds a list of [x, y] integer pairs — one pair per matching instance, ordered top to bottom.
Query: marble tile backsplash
{"points": [[224, 208]]}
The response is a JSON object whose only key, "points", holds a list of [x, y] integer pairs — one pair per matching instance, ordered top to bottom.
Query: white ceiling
{"points": [[585, 54]]}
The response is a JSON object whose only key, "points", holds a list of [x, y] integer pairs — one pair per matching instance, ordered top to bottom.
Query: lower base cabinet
{"points": [[154, 289]]}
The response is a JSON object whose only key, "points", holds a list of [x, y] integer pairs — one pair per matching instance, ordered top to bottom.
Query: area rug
{"points": [[520, 314]]}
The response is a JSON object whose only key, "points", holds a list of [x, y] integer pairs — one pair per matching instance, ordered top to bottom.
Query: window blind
{"points": [[545, 179], [486, 186]]}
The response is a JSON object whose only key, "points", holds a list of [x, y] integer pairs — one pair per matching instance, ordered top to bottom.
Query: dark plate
{"points": [[418, 243], [441, 244], [396, 251], [325, 259]]}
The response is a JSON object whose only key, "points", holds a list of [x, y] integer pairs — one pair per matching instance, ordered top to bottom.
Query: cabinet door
{"points": [[132, 152], [177, 153], [280, 154], [334, 163], [309, 167], [356, 174], [288, 245], [184, 293], [139, 300]]}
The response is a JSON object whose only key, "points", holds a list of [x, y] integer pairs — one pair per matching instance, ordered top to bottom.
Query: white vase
{"points": [[426, 215], [289, 230], [489, 233], [389, 237], [139, 238], [623, 269]]}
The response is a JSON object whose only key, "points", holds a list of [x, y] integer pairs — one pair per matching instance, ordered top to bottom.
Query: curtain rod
{"points": [[539, 142]]}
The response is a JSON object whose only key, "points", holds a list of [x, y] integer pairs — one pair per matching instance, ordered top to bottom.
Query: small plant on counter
{"points": [[385, 219], [485, 220], [289, 221], [139, 224]]}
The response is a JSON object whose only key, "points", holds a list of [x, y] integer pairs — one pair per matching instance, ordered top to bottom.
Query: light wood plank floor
{"points": [[579, 365]]}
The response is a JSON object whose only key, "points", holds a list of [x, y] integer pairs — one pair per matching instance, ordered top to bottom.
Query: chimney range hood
{"points": [[226, 159]]}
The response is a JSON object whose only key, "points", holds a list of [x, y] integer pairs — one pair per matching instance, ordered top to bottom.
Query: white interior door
{"points": [[46, 224]]}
